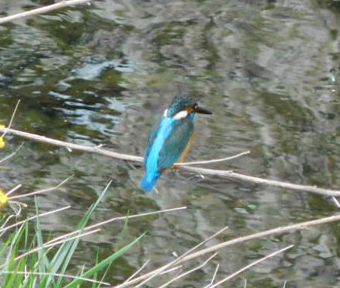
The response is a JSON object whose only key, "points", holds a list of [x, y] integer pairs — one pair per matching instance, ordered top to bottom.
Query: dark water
{"points": [[102, 74]]}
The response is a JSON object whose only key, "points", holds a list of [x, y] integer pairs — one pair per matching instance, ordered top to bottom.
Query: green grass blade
{"points": [[123, 234], [12, 253], [41, 253], [63, 256], [101, 265], [20, 277]]}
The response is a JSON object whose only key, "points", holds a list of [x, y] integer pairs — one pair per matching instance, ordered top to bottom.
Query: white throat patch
{"points": [[165, 113], [181, 115]]}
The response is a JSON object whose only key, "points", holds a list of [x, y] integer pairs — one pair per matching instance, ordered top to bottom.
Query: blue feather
{"points": [[149, 181]]}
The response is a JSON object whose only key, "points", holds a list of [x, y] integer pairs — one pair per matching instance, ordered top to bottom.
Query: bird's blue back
{"points": [[165, 146]]}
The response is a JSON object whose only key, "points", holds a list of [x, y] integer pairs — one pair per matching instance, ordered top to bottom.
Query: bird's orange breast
{"points": [[187, 149]]}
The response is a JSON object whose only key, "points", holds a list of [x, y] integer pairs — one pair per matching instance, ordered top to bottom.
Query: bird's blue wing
{"points": [[152, 137], [176, 143]]}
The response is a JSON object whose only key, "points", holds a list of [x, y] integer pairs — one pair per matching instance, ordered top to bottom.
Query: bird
{"points": [[171, 140]]}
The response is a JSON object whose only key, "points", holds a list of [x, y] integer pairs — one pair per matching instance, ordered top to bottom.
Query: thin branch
{"points": [[42, 10], [12, 117], [71, 146], [12, 154], [214, 160], [221, 173], [261, 181], [13, 190], [41, 191], [336, 202], [17, 206], [116, 219], [5, 223], [3, 229], [64, 238], [243, 239], [48, 245], [180, 258], [251, 265], [171, 269], [139, 270], [189, 272], [214, 276]]}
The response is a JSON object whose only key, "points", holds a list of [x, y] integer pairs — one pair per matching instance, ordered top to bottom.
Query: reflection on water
{"points": [[103, 74]]}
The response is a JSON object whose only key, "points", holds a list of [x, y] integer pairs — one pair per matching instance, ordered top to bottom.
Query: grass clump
{"points": [[27, 263]]}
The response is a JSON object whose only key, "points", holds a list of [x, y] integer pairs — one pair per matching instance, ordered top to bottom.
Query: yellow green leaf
{"points": [[2, 142], [3, 199]]}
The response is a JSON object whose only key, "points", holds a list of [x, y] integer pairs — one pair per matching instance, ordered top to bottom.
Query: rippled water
{"points": [[102, 74]]}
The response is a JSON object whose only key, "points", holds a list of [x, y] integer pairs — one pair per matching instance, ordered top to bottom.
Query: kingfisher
{"points": [[171, 140]]}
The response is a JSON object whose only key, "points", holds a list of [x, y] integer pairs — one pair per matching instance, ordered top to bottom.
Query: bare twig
{"points": [[41, 10], [12, 117], [71, 146], [12, 154], [214, 160], [213, 172], [261, 181], [13, 190], [40, 191], [336, 202], [116, 219], [5, 223], [4, 229], [64, 238], [48, 245], [217, 247], [176, 261], [250, 265], [171, 269], [139, 270], [189, 272], [214, 276]]}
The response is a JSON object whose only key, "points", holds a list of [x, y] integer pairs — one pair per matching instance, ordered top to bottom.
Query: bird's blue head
{"points": [[181, 107]]}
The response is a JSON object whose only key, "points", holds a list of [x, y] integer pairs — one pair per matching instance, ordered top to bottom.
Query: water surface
{"points": [[102, 74]]}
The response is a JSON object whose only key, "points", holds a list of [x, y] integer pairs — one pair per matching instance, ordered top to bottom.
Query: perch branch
{"points": [[42, 10], [71, 146], [214, 160], [221, 173], [261, 181]]}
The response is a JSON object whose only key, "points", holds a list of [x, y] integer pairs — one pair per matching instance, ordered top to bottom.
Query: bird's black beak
{"points": [[202, 110]]}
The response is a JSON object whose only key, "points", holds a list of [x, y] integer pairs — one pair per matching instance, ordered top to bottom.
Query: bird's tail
{"points": [[149, 181]]}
